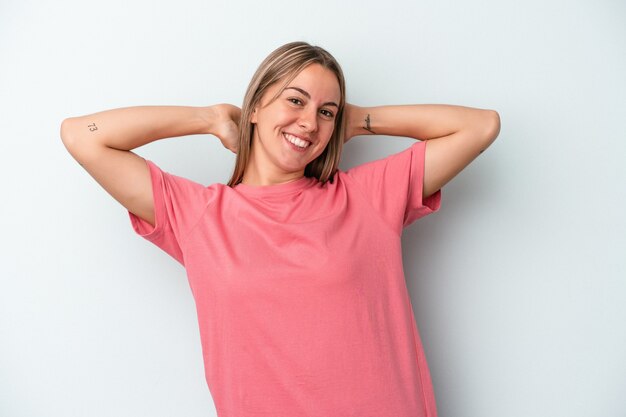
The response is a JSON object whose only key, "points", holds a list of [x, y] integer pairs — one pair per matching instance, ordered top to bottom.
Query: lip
{"points": [[300, 137]]}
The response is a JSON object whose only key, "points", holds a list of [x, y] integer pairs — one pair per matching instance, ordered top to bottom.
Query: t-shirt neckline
{"points": [[276, 189]]}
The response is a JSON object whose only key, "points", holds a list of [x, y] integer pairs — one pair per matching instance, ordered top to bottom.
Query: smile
{"points": [[297, 142]]}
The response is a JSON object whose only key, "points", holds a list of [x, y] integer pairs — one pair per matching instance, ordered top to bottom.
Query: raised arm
{"points": [[456, 135], [102, 143]]}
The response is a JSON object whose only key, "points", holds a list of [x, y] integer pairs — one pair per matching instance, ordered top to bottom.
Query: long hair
{"points": [[285, 63]]}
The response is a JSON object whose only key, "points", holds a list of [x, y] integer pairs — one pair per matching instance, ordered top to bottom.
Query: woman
{"points": [[295, 266]]}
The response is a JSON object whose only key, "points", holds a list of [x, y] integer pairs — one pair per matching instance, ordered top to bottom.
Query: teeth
{"points": [[296, 141]]}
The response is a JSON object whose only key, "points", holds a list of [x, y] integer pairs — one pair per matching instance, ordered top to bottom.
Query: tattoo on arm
{"points": [[367, 124], [92, 127]]}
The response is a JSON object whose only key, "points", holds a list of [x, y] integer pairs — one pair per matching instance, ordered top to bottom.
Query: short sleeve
{"points": [[394, 186], [179, 203]]}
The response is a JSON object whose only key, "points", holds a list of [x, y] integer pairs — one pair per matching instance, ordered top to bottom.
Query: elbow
{"points": [[493, 125], [490, 128], [66, 131], [71, 140]]}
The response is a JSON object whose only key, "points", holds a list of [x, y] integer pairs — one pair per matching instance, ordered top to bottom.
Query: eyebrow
{"points": [[307, 95]]}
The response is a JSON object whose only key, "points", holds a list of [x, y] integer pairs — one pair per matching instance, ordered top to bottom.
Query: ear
{"points": [[253, 116]]}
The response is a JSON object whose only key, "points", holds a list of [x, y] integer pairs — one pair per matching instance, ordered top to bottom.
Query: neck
{"points": [[267, 175]]}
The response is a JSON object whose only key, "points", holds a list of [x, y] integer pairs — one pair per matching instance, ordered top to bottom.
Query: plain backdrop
{"points": [[518, 283]]}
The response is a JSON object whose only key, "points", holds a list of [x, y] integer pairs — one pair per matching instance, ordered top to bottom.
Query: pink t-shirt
{"points": [[302, 303]]}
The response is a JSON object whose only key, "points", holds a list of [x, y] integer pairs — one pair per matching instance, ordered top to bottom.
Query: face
{"points": [[306, 110]]}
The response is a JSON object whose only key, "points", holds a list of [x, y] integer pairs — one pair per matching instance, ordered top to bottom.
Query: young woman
{"points": [[295, 265]]}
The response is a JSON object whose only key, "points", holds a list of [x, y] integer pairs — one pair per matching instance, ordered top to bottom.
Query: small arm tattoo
{"points": [[367, 124], [92, 127]]}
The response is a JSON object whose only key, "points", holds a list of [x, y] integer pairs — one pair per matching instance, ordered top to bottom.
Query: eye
{"points": [[294, 99], [328, 113]]}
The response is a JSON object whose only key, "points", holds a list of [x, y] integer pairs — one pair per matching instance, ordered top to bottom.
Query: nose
{"points": [[308, 120]]}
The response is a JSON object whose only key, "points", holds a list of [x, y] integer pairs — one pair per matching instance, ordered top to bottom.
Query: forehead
{"points": [[319, 82]]}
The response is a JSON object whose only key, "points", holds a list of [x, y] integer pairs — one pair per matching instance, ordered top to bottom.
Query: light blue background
{"points": [[518, 282]]}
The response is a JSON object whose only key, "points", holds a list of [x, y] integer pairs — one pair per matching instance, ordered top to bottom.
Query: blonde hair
{"points": [[286, 62]]}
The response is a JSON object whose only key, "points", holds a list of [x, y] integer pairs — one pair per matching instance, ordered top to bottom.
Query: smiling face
{"points": [[306, 110]]}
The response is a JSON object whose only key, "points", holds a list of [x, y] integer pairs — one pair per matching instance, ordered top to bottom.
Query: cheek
{"points": [[278, 120], [330, 129], [327, 138]]}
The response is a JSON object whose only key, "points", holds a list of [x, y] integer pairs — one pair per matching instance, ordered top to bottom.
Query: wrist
{"points": [[208, 115], [352, 115], [362, 122]]}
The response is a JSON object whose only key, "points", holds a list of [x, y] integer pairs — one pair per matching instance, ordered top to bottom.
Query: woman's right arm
{"points": [[102, 143]]}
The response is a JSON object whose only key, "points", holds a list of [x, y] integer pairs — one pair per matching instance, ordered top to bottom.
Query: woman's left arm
{"points": [[456, 135]]}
